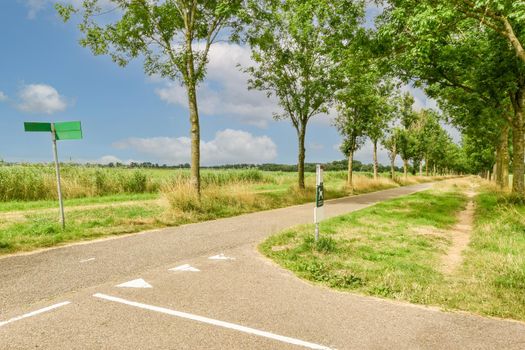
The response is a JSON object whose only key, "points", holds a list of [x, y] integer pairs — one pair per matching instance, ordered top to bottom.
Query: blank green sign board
{"points": [[30, 126], [63, 130], [68, 131]]}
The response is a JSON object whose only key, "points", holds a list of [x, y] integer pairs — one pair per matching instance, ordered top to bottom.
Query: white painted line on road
{"points": [[221, 256], [86, 260], [185, 267], [138, 283], [34, 313], [213, 322]]}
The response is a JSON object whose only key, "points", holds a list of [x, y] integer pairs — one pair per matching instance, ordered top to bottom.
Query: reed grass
{"points": [[38, 182]]}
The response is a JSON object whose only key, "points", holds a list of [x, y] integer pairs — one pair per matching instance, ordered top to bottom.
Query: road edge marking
{"points": [[185, 268], [139, 283], [35, 313], [213, 322]]}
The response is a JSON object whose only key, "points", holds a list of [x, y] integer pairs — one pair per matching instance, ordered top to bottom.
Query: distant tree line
{"points": [[337, 165]]}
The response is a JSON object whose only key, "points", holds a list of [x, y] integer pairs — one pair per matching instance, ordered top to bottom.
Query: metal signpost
{"points": [[59, 131], [319, 200]]}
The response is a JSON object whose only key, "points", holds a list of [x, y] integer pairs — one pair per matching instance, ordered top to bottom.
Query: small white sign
{"points": [[318, 214]]}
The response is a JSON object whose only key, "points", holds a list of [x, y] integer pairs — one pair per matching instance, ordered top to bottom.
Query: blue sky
{"points": [[48, 76]]}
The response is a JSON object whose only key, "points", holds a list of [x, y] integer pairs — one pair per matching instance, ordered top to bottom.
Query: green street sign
{"points": [[37, 127], [63, 130], [59, 131], [68, 131]]}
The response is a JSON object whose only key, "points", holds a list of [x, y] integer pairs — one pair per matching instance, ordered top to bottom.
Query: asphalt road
{"points": [[67, 298]]}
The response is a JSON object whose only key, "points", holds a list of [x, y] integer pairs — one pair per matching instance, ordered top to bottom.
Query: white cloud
{"points": [[35, 6], [225, 91], [3, 97], [41, 98], [228, 147], [109, 159]]}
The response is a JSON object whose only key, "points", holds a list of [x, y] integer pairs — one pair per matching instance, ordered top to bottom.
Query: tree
{"points": [[505, 17], [173, 37], [291, 41], [467, 53], [355, 105], [382, 109], [351, 123], [426, 132], [391, 141], [406, 142]]}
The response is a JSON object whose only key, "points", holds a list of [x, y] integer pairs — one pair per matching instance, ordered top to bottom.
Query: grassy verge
{"points": [[75, 202], [42, 230], [395, 249], [492, 278]]}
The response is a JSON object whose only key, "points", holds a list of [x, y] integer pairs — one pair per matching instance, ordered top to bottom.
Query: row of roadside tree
{"points": [[322, 57]]}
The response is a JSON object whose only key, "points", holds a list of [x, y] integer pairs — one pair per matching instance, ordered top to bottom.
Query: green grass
{"points": [[45, 204], [43, 230], [395, 249], [373, 251], [494, 268]]}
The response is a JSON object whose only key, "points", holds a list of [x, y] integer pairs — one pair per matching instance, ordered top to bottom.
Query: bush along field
{"points": [[111, 201], [399, 250]]}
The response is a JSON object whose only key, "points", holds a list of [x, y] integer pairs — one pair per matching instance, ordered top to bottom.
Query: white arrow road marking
{"points": [[221, 256], [86, 260], [185, 267], [138, 283], [34, 313], [213, 322]]}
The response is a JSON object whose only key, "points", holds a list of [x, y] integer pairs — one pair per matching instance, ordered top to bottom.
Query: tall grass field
{"points": [[38, 182]]}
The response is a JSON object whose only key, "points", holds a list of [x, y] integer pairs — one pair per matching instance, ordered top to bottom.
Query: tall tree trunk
{"points": [[191, 82], [301, 133], [195, 139], [393, 156], [519, 157], [502, 158], [518, 162], [376, 164], [497, 165], [393, 166], [426, 167], [405, 168], [421, 168], [503, 168], [350, 171]]}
